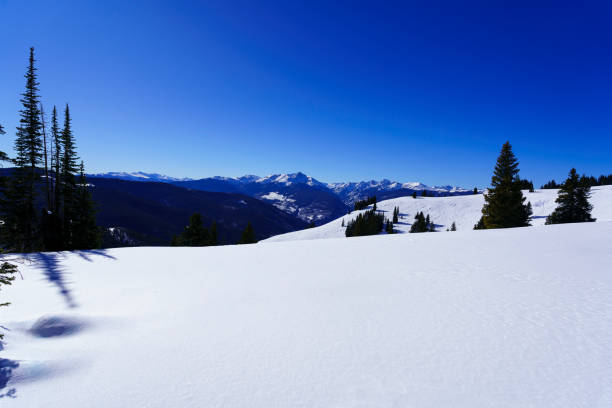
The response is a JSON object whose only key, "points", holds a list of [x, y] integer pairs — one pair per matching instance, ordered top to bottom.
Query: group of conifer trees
{"points": [[591, 181], [45, 201], [363, 204], [505, 204], [369, 222], [422, 223], [195, 234]]}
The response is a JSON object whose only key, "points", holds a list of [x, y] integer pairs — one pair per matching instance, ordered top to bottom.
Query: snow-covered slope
{"points": [[464, 210], [476, 319]]}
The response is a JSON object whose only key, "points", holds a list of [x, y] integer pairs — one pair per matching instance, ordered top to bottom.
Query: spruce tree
{"points": [[56, 160], [68, 180], [475, 190], [414, 194], [573, 201], [504, 203], [395, 215], [21, 216], [480, 224], [453, 226], [389, 227], [85, 232], [195, 234], [248, 235], [213, 240]]}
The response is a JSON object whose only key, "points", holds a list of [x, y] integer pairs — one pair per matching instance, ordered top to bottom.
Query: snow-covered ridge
{"points": [[138, 176], [348, 189], [463, 210]]}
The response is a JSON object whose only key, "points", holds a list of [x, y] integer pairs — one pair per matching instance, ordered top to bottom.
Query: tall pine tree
{"points": [[68, 181], [573, 201], [504, 203], [21, 215], [248, 235]]}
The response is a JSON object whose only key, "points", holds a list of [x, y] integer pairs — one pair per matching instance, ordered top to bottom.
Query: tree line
{"points": [[591, 181], [45, 201], [196, 235]]}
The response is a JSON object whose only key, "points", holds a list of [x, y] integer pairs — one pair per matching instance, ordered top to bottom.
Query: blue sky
{"points": [[345, 91]]}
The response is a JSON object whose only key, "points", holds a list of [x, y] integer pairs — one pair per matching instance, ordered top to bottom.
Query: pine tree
{"points": [[56, 160], [68, 180], [475, 190], [414, 194], [573, 201], [504, 203], [395, 215], [21, 216], [480, 224], [453, 226], [389, 227], [86, 234], [195, 234], [248, 235], [213, 240], [7, 271]]}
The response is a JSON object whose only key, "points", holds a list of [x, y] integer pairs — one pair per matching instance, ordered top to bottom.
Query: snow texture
{"points": [[499, 318]]}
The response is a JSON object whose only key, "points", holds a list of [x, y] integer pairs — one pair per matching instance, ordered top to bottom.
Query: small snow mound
{"points": [[55, 326]]}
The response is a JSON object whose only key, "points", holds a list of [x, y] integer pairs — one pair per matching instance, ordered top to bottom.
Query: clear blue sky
{"points": [[344, 91]]}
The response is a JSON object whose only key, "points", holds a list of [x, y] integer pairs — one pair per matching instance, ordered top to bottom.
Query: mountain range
{"points": [[297, 194]]}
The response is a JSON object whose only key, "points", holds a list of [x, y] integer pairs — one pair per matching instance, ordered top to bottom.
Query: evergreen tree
{"points": [[56, 159], [68, 180], [552, 184], [475, 190], [424, 193], [414, 194], [573, 201], [504, 203], [395, 215], [21, 216], [343, 222], [422, 223], [311, 224], [480, 224], [453, 226], [389, 227], [86, 234], [195, 234], [248, 235], [213, 240], [7, 270]]}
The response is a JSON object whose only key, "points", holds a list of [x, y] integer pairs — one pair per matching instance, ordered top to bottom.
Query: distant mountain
{"points": [[137, 176], [387, 189], [298, 194], [137, 213]]}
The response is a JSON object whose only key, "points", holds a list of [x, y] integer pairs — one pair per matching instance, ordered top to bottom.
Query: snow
{"points": [[464, 210], [500, 318]]}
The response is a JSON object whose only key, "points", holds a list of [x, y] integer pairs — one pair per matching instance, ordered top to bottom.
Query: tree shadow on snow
{"points": [[55, 272], [6, 370]]}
